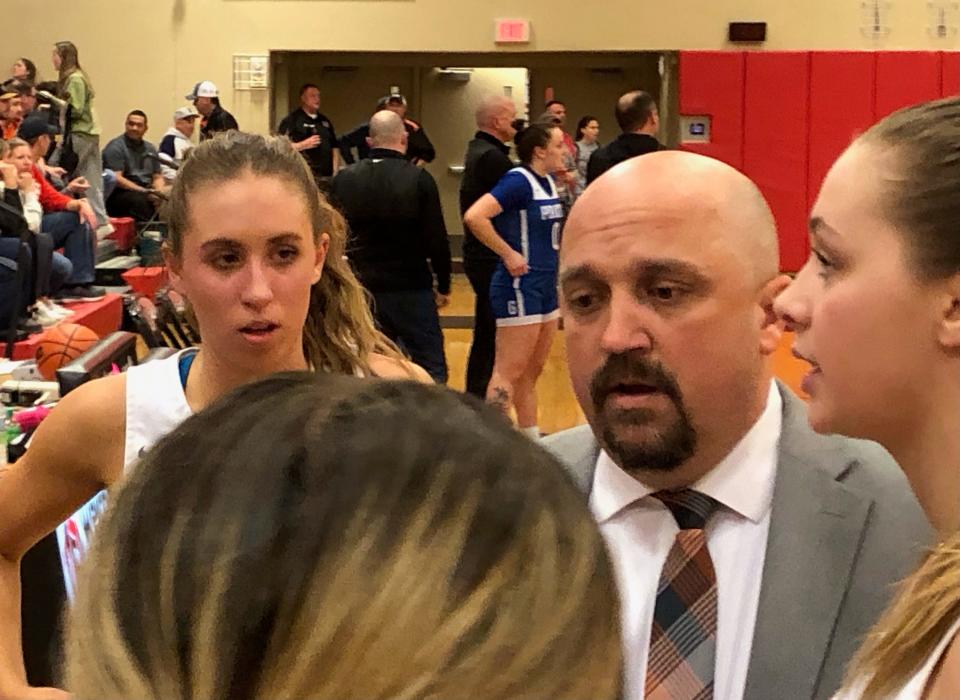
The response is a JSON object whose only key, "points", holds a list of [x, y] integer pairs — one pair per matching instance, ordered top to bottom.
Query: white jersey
{"points": [[155, 405], [915, 687]]}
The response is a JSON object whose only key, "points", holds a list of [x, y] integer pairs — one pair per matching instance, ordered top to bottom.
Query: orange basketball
{"points": [[62, 344]]}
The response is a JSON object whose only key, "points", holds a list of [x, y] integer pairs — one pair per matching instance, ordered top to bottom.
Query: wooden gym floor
{"points": [[558, 406]]}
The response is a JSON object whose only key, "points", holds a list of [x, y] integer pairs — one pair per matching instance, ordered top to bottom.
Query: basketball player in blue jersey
{"points": [[520, 220]]}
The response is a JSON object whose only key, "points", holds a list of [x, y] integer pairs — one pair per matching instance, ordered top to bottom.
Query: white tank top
{"points": [[155, 405], [913, 689]]}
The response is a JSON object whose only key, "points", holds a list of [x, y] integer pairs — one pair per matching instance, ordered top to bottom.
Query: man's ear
{"points": [[771, 328]]}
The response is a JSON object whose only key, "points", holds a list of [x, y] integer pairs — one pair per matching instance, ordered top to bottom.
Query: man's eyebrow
{"points": [[578, 273]]}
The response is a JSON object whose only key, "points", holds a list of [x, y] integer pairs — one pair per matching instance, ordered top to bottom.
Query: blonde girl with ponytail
{"points": [[876, 310]]}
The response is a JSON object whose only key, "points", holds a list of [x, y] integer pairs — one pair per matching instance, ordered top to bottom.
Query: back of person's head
{"points": [[47, 86], [20, 87], [634, 110], [387, 130], [535, 136], [915, 153], [339, 334], [333, 537]]}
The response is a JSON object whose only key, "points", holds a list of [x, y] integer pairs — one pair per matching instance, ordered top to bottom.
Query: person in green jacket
{"points": [[83, 128]]}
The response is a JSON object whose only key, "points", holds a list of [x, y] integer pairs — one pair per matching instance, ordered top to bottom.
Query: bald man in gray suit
{"points": [[752, 554]]}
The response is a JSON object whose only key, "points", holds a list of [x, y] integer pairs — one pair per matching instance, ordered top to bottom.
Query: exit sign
{"points": [[512, 31]]}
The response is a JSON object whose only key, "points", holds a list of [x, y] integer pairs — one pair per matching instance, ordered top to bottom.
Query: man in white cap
{"points": [[206, 98], [177, 142]]}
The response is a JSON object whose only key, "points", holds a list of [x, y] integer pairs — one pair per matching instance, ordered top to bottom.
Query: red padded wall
{"points": [[905, 78], [711, 83], [950, 83], [842, 94], [784, 117], [775, 142]]}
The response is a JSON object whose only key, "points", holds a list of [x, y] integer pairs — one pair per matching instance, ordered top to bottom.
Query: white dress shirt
{"points": [[639, 531]]}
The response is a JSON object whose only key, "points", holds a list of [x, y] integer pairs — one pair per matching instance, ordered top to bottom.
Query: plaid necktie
{"points": [[683, 639]]}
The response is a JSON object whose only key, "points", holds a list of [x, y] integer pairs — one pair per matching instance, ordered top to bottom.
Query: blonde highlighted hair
{"points": [[339, 334], [328, 537]]}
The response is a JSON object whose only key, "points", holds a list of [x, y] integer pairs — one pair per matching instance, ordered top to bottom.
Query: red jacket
{"points": [[50, 199]]}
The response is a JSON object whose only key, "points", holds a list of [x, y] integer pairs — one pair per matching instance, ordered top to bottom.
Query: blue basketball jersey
{"points": [[532, 217]]}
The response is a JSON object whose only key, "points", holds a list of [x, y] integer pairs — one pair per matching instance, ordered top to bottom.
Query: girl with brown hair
{"points": [[259, 255], [876, 310]]}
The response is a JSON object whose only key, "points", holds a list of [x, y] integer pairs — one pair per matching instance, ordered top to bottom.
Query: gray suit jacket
{"points": [[844, 527]]}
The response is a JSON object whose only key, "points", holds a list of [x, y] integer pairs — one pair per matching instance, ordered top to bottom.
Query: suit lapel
{"points": [[577, 448], [816, 527]]}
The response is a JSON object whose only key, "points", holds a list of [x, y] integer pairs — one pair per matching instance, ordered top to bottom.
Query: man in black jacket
{"points": [[206, 98], [639, 121], [311, 132], [419, 148], [487, 160], [396, 227]]}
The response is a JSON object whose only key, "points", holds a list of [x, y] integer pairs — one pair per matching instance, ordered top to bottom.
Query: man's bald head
{"points": [[492, 107], [495, 115], [387, 131], [676, 186], [668, 274]]}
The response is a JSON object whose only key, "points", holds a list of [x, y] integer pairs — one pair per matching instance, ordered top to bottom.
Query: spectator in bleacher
{"points": [[24, 69], [26, 91], [28, 95], [206, 98], [11, 112], [83, 128], [312, 134], [177, 142], [136, 163], [69, 221], [13, 234], [49, 269]]}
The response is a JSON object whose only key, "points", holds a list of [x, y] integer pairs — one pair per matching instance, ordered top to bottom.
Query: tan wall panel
{"points": [[147, 53], [448, 116]]}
